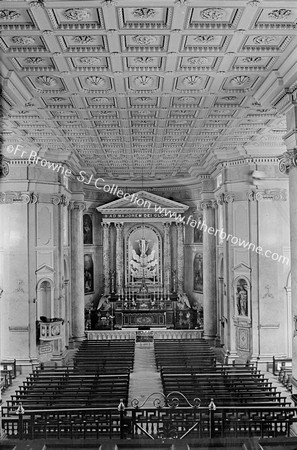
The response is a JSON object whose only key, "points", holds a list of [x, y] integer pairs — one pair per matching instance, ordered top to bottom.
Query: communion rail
{"points": [[172, 422]]}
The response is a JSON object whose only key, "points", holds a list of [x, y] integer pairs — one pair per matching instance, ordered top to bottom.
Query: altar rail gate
{"points": [[154, 423]]}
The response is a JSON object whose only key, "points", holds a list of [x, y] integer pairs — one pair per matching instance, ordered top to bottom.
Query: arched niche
{"points": [[143, 255], [242, 297], [45, 298]]}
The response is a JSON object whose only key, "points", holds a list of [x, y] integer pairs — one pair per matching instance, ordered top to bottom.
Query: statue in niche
{"points": [[88, 229], [242, 297]]}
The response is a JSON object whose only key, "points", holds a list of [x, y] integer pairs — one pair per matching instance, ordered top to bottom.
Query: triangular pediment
{"points": [[141, 201], [242, 267], [44, 269]]}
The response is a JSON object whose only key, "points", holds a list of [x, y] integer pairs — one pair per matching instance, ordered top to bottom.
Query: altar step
{"points": [[145, 379]]}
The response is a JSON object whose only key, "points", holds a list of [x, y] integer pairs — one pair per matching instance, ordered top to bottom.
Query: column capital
{"points": [[287, 161], [268, 194], [18, 197], [224, 198], [58, 199], [208, 204], [80, 206], [180, 224], [106, 225], [119, 225], [166, 225]]}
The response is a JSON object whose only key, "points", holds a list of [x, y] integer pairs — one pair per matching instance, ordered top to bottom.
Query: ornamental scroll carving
{"points": [[287, 161], [4, 168], [268, 194], [18, 197], [225, 198], [60, 200], [208, 204]]}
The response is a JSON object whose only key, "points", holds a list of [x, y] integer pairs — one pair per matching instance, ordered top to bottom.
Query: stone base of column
{"points": [[213, 340], [75, 341], [232, 357]]}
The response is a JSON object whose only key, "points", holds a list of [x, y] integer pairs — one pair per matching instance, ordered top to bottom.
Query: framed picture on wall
{"points": [[88, 229], [197, 233], [88, 273], [198, 273]]}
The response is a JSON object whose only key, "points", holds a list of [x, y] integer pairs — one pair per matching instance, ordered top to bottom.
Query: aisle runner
{"points": [[144, 380]]}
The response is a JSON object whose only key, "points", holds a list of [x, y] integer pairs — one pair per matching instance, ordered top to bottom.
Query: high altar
{"points": [[143, 259]]}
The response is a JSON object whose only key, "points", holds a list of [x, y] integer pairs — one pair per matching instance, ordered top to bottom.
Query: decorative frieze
{"points": [[144, 13], [281, 13], [212, 14], [9, 15], [23, 40], [287, 161], [268, 194]]}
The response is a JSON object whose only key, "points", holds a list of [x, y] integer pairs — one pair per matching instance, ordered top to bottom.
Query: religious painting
{"points": [[88, 229], [143, 255], [88, 273], [198, 273], [242, 300]]}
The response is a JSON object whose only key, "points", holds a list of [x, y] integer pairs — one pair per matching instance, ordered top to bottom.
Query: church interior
{"points": [[148, 224]]}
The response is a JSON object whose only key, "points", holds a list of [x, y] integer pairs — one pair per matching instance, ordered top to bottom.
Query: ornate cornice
{"points": [[286, 100], [287, 161], [268, 194], [18, 197]]}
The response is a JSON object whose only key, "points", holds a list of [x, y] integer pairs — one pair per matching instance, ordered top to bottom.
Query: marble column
{"points": [[288, 165], [167, 256], [106, 257], [119, 257], [180, 257], [77, 271], [209, 271]]}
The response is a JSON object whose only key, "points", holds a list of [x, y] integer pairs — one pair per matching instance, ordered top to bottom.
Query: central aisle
{"points": [[145, 379]]}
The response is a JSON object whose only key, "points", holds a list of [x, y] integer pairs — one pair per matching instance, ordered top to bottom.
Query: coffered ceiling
{"points": [[162, 89]]}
